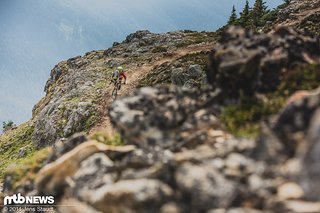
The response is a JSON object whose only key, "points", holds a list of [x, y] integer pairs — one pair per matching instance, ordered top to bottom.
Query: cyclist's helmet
{"points": [[120, 69]]}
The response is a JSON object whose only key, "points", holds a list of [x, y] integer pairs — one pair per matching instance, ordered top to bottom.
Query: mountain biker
{"points": [[119, 75]]}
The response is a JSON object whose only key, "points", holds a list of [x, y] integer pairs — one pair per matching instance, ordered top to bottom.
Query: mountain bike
{"points": [[117, 86]]}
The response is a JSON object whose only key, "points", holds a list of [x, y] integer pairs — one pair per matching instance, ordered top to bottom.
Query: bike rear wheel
{"points": [[114, 92]]}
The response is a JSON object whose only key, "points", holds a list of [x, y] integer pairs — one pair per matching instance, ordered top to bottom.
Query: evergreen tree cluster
{"points": [[287, 2], [250, 18], [6, 126]]}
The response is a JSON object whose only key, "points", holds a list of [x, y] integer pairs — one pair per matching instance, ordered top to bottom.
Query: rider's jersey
{"points": [[115, 75], [119, 75]]}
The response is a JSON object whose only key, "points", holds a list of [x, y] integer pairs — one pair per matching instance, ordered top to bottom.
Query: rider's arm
{"points": [[124, 76], [112, 77]]}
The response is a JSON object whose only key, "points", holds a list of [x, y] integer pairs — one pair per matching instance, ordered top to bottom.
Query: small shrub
{"points": [[159, 49], [244, 120]]}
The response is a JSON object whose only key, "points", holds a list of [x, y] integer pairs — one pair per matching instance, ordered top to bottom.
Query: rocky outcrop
{"points": [[246, 63], [187, 71], [192, 77], [70, 104]]}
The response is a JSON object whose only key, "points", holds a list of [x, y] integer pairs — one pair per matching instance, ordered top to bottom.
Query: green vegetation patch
{"points": [[303, 78], [243, 120], [101, 137], [16, 145], [25, 169]]}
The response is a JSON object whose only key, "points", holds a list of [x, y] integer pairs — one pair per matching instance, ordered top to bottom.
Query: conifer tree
{"points": [[287, 2], [258, 11], [233, 17], [244, 19]]}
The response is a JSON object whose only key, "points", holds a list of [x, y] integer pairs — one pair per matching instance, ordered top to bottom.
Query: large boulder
{"points": [[246, 62], [166, 116], [293, 122], [310, 174], [205, 187], [143, 195]]}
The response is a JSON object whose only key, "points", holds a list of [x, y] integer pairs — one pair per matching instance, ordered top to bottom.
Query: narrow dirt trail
{"points": [[134, 76]]}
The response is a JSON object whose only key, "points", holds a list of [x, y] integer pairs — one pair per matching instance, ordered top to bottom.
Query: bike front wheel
{"points": [[114, 93]]}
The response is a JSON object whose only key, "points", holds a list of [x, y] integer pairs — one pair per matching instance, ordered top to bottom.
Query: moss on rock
{"points": [[101, 137]]}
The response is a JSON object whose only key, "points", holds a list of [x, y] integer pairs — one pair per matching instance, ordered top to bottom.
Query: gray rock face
{"points": [[138, 35], [195, 71], [56, 72], [178, 77], [190, 78], [190, 84], [70, 102], [61, 119], [92, 175]]}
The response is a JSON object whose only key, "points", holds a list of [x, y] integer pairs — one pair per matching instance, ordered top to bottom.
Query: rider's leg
{"points": [[120, 82]]}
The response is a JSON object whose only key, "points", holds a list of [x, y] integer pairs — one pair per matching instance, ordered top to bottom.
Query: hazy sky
{"points": [[37, 34]]}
